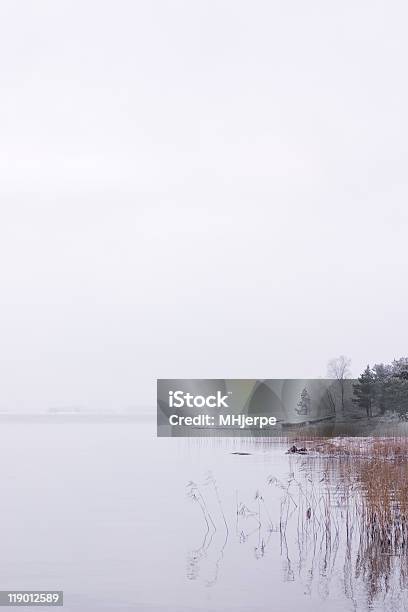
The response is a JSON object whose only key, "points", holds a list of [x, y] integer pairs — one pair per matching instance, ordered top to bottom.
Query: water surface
{"points": [[119, 519]]}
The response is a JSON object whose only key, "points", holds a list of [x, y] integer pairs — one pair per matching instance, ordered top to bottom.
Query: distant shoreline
{"points": [[71, 417]]}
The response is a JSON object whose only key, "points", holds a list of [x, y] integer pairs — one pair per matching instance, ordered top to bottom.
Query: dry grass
{"points": [[381, 448], [367, 511]]}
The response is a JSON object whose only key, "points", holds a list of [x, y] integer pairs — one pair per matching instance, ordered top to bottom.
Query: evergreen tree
{"points": [[400, 368], [383, 387], [399, 387], [364, 391], [304, 404]]}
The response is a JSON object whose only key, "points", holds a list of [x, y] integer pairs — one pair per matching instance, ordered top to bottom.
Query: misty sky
{"points": [[198, 189]]}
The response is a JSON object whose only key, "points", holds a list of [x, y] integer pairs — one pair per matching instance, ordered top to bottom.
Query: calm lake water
{"points": [[121, 520]]}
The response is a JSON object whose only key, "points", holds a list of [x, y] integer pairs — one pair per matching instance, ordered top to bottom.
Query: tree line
{"points": [[383, 388]]}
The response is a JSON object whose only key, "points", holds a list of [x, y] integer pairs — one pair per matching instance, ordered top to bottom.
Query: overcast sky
{"points": [[198, 189]]}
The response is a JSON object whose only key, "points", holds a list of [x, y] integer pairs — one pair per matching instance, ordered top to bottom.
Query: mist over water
{"points": [[197, 190], [120, 519]]}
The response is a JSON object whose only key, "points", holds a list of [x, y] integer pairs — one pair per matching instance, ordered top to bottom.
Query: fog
{"points": [[198, 189]]}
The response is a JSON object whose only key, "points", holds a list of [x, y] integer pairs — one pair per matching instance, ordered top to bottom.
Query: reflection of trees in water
{"points": [[342, 524]]}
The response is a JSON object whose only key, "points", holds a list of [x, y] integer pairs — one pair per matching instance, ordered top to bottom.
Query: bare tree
{"points": [[339, 368]]}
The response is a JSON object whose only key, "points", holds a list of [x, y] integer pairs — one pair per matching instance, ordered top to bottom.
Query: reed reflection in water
{"points": [[338, 524]]}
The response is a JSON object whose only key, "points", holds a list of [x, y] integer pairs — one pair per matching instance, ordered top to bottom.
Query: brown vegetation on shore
{"points": [[382, 448]]}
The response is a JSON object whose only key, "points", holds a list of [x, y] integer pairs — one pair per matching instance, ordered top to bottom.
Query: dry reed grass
{"points": [[381, 448]]}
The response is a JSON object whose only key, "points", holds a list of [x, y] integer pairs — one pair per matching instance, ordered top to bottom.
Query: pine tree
{"points": [[400, 368], [383, 386], [391, 387], [364, 391], [304, 404]]}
